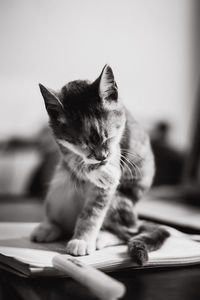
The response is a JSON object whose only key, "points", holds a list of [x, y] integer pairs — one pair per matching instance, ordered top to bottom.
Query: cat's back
{"points": [[136, 140], [138, 159]]}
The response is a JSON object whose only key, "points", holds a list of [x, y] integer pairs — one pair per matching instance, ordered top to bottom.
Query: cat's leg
{"points": [[60, 209], [92, 216], [121, 217], [89, 223], [119, 224], [47, 232], [141, 237]]}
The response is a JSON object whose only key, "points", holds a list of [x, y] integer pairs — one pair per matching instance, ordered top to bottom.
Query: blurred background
{"points": [[153, 48]]}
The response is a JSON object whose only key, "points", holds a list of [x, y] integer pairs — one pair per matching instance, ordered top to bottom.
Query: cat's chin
{"points": [[95, 166]]}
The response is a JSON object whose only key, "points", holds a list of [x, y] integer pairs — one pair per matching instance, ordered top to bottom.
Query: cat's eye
{"points": [[108, 139]]}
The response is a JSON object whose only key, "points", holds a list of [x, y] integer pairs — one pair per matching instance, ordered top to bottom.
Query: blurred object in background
{"points": [[49, 155], [18, 158], [169, 161], [27, 164], [176, 168], [192, 168], [191, 174], [178, 205]]}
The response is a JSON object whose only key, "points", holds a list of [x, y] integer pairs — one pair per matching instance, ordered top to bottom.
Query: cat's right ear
{"points": [[107, 85], [52, 102]]}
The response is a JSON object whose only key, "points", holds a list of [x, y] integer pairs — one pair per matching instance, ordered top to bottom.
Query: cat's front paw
{"points": [[45, 233], [78, 247]]}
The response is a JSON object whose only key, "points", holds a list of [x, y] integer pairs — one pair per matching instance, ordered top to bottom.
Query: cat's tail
{"points": [[149, 238], [143, 239]]}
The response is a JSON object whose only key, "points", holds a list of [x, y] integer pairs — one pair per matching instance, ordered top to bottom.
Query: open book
{"points": [[20, 256]]}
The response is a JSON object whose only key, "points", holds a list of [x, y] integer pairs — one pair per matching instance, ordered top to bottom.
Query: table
{"points": [[181, 283], [163, 284]]}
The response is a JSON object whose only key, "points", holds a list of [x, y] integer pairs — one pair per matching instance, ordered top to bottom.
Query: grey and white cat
{"points": [[106, 166]]}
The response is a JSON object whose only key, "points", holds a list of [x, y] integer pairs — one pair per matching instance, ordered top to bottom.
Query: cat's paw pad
{"points": [[45, 233], [78, 247], [138, 251]]}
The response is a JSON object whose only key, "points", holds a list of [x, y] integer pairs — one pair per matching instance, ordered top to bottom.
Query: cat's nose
{"points": [[101, 156]]}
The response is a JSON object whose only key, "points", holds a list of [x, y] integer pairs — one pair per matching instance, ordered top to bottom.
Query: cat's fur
{"points": [[106, 167]]}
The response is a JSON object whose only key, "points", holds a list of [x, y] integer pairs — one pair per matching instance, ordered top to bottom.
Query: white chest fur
{"points": [[65, 200]]}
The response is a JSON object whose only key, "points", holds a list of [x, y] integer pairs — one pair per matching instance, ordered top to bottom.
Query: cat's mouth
{"points": [[94, 166]]}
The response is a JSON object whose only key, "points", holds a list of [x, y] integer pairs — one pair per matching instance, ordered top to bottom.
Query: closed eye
{"points": [[108, 139]]}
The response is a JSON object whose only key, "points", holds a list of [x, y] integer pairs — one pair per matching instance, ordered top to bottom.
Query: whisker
{"points": [[130, 153], [117, 162], [130, 164], [124, 165], [121, 166], [135, 167], [128, 168], [139, 171]]}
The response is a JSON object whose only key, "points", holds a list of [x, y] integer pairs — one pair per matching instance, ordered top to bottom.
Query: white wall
{"points": [[149, 43]]}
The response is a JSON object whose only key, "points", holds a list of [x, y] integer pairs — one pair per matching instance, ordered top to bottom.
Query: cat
{"points": [[106, 166]]}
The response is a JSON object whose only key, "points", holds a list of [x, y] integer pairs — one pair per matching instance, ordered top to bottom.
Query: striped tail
{"points": [[150, 237], [141, 239]]}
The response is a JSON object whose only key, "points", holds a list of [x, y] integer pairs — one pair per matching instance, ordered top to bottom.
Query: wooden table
{"points": [[164, 284]]}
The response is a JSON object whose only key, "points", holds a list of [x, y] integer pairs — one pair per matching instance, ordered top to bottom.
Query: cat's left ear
{"points": [[107, 85], [52, 102]]}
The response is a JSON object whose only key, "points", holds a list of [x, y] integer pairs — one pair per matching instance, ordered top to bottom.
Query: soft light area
{"points": [[149, 44]]}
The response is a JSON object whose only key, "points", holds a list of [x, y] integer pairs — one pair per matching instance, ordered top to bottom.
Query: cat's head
{"points": [[87, 118]]}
